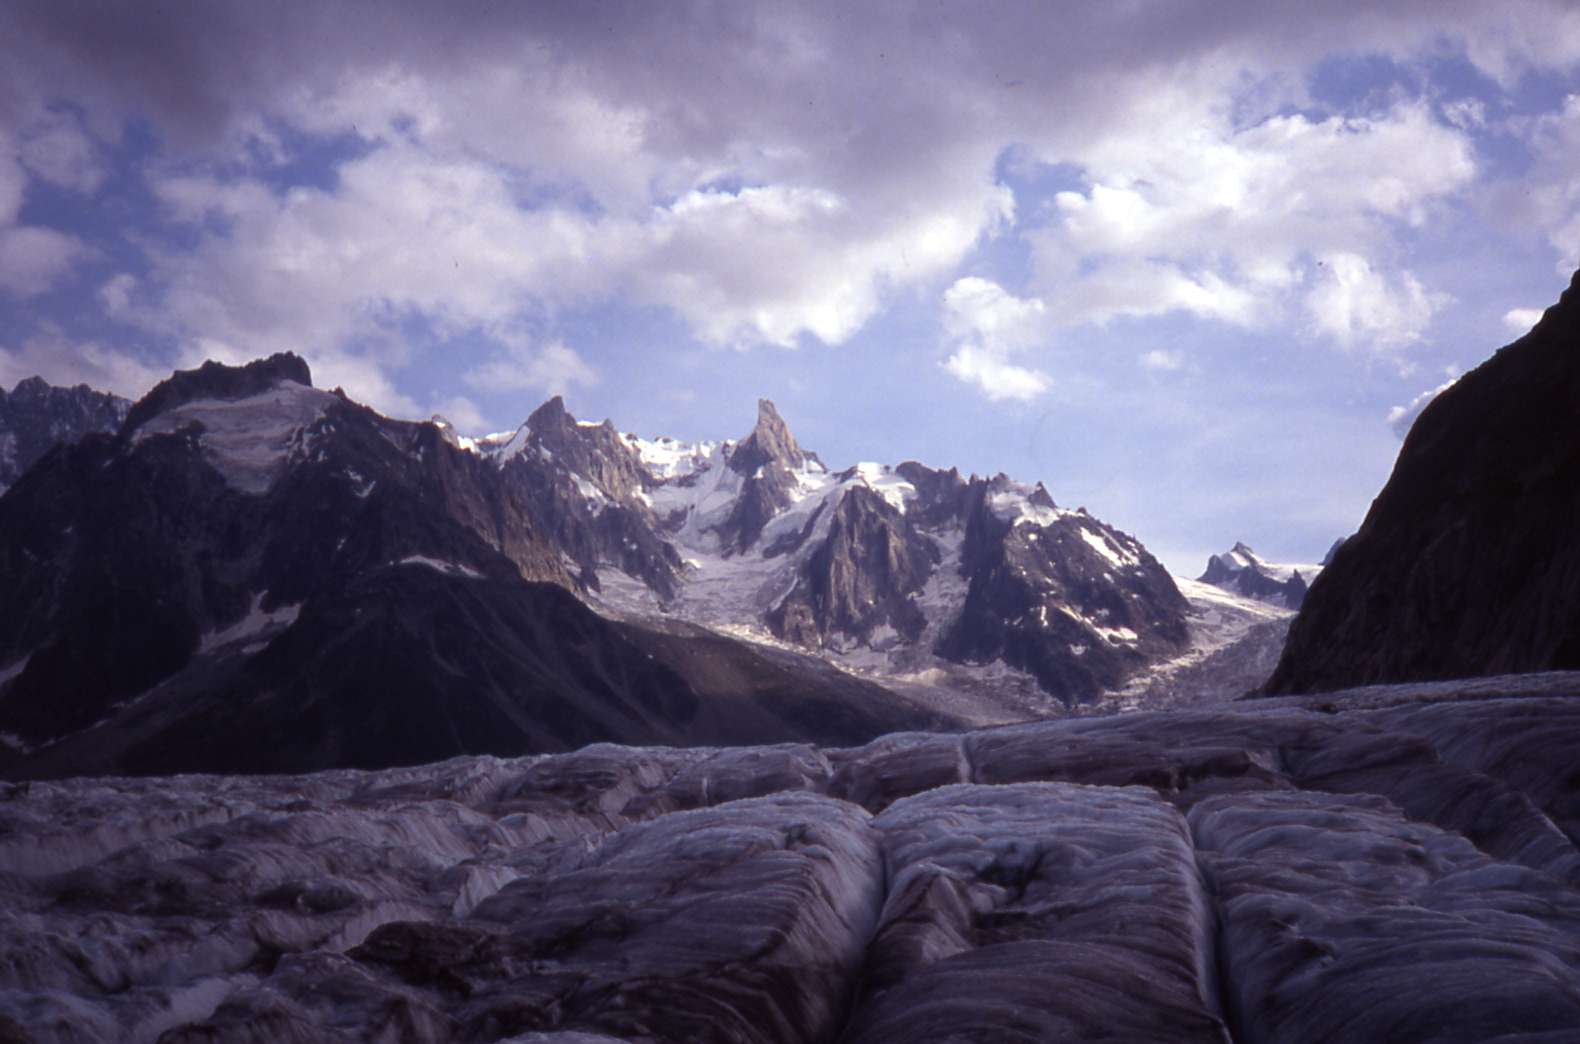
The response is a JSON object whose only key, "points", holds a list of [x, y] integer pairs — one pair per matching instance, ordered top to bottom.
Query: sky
{"points": [[1193, 265]]}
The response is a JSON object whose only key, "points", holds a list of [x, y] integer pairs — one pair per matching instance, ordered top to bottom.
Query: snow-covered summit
{"points": [[1244, 572]]}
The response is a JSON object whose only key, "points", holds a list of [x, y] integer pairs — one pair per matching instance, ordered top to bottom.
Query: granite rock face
{"points": [[1467, 562], [1394, 864]]}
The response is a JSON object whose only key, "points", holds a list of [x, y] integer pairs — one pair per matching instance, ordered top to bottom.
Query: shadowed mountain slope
{"points": [[1467, 563]]}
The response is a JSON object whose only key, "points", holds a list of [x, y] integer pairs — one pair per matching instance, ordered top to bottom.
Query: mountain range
{"points": [[246, 556]]}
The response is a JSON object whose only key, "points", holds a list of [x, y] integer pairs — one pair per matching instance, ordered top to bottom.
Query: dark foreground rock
{"points": [[1467, 562], [1391, 864]]}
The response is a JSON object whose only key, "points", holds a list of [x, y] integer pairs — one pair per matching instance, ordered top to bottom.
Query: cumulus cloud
{"points": [[57, 149], [539, 159], [13, 180], [1547, 198], [1218, 221], [32, 258], [1355, 303], [1520, 320], [985, 324], [60, 360], [1163, 360], [551, 370], [463, 413], [1400, 418]]}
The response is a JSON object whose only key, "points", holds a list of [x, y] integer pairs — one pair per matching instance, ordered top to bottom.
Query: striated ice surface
{"points": [[1390, 864]]}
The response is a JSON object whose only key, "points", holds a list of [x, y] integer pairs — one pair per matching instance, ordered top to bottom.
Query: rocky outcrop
{"points": [[215, 380], [36, 416], [593, 451], [582, 486], [1466, 563], [859, 578], [1072, 602], [1395, 864]]}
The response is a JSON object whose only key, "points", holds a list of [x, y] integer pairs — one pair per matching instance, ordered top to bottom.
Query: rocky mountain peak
{"points": [[215, 380], [29, 388], [550, 417], [769, 442], [1242, 571]]}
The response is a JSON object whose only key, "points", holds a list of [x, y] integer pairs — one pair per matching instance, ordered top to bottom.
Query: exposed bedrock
{"points": [[1403, 870]]}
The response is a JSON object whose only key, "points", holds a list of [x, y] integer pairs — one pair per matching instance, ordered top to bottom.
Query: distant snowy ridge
{"points": [[1242, 571], [904, 573]]}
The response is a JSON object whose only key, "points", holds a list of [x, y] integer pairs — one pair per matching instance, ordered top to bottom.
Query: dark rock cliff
{"points": [[1467, 563]]}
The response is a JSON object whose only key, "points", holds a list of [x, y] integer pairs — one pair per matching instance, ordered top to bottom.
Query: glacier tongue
{"points": [[1293, 871]]}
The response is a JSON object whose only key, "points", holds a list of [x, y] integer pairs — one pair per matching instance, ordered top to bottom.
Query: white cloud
{"points": [[1466, 113], [59, 151], [528, 166], [13, 180], [1547, 198], [1216, 220], [32, 258], [774, 263], [333, 276], [115, 295], [1354, 303], [982, 310], [1520, 320], [986, 325], [50, 355], [1162, 360], [552, 370], [997, 378], [463, 413], [1400, 418]]}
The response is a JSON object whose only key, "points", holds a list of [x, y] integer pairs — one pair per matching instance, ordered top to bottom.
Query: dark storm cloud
{"points": [[868, 78]]}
